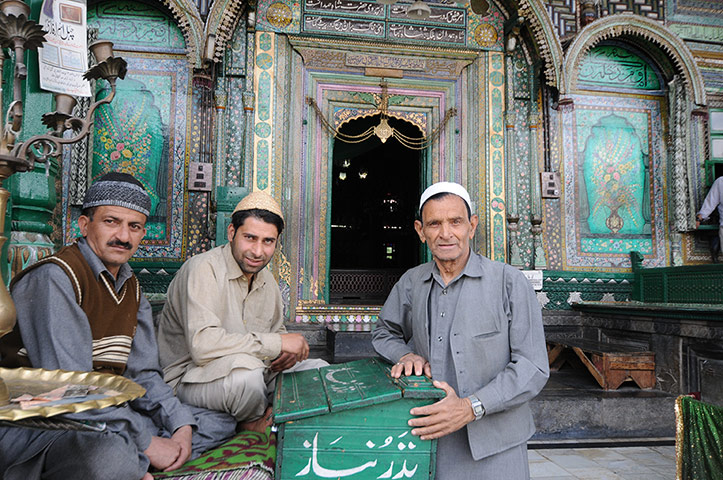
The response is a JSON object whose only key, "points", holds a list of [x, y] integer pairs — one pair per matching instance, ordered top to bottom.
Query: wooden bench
{"points": [[610, 364]]}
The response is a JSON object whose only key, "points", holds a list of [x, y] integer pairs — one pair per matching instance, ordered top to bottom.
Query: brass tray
{"points": [[37, 380]]}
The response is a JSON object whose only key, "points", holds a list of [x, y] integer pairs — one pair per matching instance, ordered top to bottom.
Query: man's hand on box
{"points": [[411, 364], [443, 417]]}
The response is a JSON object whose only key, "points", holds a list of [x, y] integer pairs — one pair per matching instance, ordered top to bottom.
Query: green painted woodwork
{"points": [[137, 24], [617, 67], [34, 199], [226, 200], [155, 277], [688, 284], [560, 288], [357, 384], [299, 396], [365, 435], [361, 444]]}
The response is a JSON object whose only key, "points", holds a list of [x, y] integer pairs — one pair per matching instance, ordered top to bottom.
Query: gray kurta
{"points": [[482, 334]]}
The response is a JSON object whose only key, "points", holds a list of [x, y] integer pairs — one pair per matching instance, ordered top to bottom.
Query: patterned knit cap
{"points": [[119, 190], [259, 200]]}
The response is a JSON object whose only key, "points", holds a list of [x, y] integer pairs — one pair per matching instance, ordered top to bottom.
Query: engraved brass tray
{"points": [[37, 380]]}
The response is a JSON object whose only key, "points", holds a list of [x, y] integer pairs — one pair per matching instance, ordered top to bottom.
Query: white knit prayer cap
{"points": [[445, 187]]}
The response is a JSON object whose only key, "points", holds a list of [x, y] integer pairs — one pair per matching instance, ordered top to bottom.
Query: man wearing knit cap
{"points": [[82, 309], [475, 327], [221, 334]]}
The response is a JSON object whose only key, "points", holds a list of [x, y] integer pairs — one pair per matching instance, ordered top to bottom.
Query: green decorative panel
{"points": [[699, 22], [136, 25], [235, 63], [616, 67], [131, 136], [614, 175], [615, 182], [155, 279], [561, 290]]}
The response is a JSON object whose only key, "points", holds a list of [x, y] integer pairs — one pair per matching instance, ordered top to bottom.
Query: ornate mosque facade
{"points": [[583, 130]]}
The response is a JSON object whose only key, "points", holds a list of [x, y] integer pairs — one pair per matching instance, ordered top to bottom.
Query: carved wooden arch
{"points": [[186, 15], [221, 22], [631, 25], [546, 39], [373, 112]]}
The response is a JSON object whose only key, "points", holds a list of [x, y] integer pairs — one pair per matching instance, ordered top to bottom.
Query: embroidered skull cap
{"points": [[259, 200]]}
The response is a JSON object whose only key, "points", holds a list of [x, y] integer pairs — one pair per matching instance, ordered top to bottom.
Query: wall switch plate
{"points": [[200, 177], [550, 184]]}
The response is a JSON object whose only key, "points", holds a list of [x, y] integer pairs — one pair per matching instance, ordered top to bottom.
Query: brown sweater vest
{"points": [[112, 316]]}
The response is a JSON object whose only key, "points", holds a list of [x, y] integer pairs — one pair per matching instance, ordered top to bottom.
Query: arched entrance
{"points": [[375, 188]]}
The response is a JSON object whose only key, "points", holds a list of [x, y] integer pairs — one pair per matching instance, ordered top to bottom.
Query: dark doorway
{"points": [[375, 190]]}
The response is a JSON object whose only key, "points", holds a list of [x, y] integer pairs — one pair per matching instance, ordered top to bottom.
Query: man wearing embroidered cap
{"points": [[82, 309], [475, 327], [221, 333]]}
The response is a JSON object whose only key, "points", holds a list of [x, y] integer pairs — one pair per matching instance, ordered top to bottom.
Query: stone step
{"points": [[572, 406]]}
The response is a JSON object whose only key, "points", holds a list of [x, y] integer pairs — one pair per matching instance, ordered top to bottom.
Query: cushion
{"points": [[247, 456]]}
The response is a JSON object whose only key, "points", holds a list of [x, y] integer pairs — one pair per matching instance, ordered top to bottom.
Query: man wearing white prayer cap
{"points": [[475, 327], [221, 334]]}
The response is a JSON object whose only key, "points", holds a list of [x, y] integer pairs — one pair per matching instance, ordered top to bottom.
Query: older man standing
{"points": [[82, 309], [474, 326], [221, 334]]}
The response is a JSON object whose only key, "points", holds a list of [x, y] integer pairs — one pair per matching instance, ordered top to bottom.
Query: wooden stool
{"points": [[610, 364]]}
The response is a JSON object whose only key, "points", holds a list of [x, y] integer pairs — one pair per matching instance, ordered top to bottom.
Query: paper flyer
{"points": [[64, 56]]}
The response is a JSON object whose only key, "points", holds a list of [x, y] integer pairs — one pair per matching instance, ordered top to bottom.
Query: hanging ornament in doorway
{"points": [[383, 130]]}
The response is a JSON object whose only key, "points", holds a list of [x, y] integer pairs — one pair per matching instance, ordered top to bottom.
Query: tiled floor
{"points": [[622, 463]]}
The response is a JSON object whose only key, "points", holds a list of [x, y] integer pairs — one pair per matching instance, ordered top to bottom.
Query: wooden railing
{"points": [[684, 284]]}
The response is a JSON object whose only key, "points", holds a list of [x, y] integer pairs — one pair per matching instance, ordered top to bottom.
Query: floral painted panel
{"points": [[143, 132], [132, 136], [614, 171], [614, 182]]}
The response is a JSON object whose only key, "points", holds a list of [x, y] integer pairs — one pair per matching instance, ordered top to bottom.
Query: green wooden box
{"points": [[350, 421]]}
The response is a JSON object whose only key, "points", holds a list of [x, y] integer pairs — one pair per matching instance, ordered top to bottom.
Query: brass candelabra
{"points": [[19, 33]]}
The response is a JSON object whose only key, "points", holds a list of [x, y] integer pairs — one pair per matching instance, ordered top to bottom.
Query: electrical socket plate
{"points": [[200, 177], [550, 184]]}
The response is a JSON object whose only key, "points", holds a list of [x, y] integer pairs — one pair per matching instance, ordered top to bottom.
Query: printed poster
{"points": [[64, 56]]}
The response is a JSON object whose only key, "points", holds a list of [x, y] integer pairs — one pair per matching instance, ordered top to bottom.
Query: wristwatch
{"points": [[477, 408]]}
